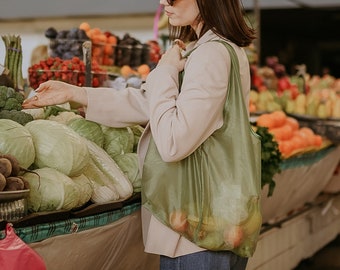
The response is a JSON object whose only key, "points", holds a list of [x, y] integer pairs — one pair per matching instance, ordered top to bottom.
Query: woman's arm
{"points": [[103, 105], [180, 122]]}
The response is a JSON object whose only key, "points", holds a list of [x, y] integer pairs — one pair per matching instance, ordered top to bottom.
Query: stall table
{"points": [[110, 236], [117, 245]]}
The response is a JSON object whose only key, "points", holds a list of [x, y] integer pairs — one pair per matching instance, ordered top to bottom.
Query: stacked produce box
{"points": [[110, 56]]}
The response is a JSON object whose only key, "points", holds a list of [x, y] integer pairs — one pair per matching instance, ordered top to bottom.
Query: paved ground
{"points": [[327, 258]]}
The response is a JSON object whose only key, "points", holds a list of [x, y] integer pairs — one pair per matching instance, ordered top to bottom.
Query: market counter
{"points": [[301, 180], [112, 237], [119, 245], [116, 246]]}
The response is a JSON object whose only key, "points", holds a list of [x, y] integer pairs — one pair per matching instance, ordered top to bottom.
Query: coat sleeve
{"points": [[117, 108]]}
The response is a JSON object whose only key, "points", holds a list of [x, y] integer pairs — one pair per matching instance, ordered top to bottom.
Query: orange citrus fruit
{"points": [[266, 120]]}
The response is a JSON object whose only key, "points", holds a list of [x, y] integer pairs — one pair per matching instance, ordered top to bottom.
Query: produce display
{"points": [[66, 44], [108, 49], [13, 60], [117, 62], [71, 71], [11, 82], [301, 94], [10, 99], [312, 100], [318, 103], [10, 105], [291, 138], [17, 141], [271, 158], [68, 161], [10, 178]]}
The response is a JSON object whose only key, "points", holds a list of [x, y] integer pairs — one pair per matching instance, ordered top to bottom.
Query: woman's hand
{"points": [[173, 56], [54, 93]]}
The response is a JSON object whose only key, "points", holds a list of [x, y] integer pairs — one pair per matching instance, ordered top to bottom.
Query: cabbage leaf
{"points": [[87, 129], [118, 140], [17, 141], [58, 146], [128, 163], [85, 189], [51, 190]]}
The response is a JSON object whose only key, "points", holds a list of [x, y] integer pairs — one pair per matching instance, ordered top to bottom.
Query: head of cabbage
{"points": [[87, 129], [118, 140], [17, 141], [58, 146], [128, 163], [51, 190]]}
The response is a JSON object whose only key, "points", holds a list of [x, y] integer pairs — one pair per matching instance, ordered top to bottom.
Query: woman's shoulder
{"points": [[207, 44], [215, 50]]}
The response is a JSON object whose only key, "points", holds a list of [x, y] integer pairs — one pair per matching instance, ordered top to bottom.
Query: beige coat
{"points": [[179, 123]]}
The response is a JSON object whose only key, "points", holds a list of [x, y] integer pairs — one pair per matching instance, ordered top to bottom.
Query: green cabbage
{"points": [[63, 117], [87, 129], [137, 132], [16, 140], [118, 140], [58, 146], [128, 163], [85, 189], [51, 190]]}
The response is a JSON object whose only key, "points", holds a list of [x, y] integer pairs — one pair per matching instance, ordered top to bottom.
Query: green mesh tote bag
{"points": [[212, 197]]}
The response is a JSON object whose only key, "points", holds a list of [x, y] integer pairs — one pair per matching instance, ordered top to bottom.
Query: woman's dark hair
{"points": [[225, 18]]}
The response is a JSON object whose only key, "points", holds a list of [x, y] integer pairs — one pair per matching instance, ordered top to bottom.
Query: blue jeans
{"points": [[205, 260]]}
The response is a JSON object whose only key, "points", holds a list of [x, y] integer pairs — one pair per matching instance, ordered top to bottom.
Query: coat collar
{"points": [[209, 35]]}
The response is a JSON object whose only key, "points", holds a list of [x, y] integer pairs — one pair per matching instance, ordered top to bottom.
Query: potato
{"points": [[15, 164], [5, 167], [2, 182], [14, 183]]}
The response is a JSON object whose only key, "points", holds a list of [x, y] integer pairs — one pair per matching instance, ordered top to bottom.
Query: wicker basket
{"points": [[13, 204]]}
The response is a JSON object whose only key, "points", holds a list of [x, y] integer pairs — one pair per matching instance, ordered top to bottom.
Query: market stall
{"points": [[300, 182], [105, 231], [117, 242]]}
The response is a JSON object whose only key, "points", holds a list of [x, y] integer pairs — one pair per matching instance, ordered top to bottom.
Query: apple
{"points": [[178, 221], [233, 236]]}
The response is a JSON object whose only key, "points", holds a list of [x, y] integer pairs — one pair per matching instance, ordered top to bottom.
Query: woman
{"points": [[178, 121]]}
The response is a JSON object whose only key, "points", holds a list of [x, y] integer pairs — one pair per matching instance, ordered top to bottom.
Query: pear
{"points": [[286, 95], [253, 96], [266, 96], [332, 96], [301, 100], [261, 105], [273, 106], [290, 106], [329, 106], [311, 108], [299, 109], [336, 109], [322, 111], [253, 222]]}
